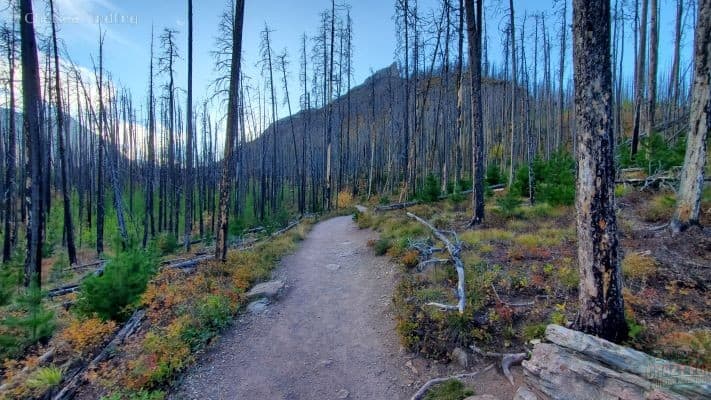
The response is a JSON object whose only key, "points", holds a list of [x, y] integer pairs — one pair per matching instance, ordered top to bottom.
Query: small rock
{"points": [[333, 267], [268, 290], [258, 306], [481, 317], [460, 356], [412, 367], [524, 393], [342, 394], [482, 397]]}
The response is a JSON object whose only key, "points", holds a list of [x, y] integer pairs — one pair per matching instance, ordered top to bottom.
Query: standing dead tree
{"points": [[474, 29], [31, 102], [232, 119], [190, 138], [692, 175], [68, 226], [601, 306]]}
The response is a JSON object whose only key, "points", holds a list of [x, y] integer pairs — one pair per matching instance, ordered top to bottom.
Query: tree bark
{"points": [[474, 26], [653, 64], [639, 79], [31, 102], [10, 158], [692, 175], [189, 178], [225, 179], [68, 225], [601, 306]]}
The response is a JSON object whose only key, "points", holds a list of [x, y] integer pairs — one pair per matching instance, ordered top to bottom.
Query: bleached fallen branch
{"points": [[453, 250], [445, 307], [426, 387]]}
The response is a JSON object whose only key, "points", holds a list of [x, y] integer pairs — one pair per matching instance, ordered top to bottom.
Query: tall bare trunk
{"points": [[474, 26], [653, 63], [639, 78], [31, 102], [232, 118], [10, 158], [692, 175], [189, 178], [68, 225], [601, 310]]}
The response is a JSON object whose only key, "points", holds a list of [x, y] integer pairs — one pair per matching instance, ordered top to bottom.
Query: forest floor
{"points": [[330, 336]]}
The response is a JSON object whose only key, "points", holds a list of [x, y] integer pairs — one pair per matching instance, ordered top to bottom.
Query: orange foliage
{"points": [[410, 259], [85, 335]]}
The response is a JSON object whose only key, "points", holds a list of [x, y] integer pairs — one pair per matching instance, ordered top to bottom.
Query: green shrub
{"points": [[654, 154], [494, 175], [555, 183], [431, 191], [509, 204], [166, 243], [381, 246], [11, 274], [124, 279], [214, 312], [27, 323], [534, 331], [449, 390]]}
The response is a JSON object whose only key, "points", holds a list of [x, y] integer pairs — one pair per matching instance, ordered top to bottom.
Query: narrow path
{"points": [[330, 336]]}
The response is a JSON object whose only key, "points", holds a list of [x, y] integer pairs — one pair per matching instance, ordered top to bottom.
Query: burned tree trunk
{"points": [[474, 28], [639, 79], [31, 102], [232, 117], [189, 138], [10, 159], [692, 175], [68, 226], [601, 306]]}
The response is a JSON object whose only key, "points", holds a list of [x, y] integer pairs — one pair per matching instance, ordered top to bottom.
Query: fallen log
{"points": [[396, 206], [453, 250], [86, 265], [78, 378], [426, 387]]}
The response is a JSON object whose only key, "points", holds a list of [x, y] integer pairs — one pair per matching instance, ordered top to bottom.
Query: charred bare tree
{"points": [[474, 29], [639, 79], [232, 119], [32, 125], [190, 134], [692, 175], [9, 225], [68, 225], [601, 309]]}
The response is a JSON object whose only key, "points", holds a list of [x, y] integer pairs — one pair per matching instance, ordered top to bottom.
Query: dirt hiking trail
{"points": [[330, 335]]}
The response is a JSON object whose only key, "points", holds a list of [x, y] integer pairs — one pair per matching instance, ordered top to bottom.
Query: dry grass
{"points": [[638, 266]]}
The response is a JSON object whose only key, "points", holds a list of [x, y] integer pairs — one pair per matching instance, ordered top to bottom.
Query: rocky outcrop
{"points": [[573, 365]]}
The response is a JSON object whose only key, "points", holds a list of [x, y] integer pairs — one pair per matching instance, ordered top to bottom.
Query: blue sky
{"points": [[128, 26]]}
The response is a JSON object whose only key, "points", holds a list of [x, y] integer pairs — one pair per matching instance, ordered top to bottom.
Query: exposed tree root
{"points": [[508, 360], [426, 387]]}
